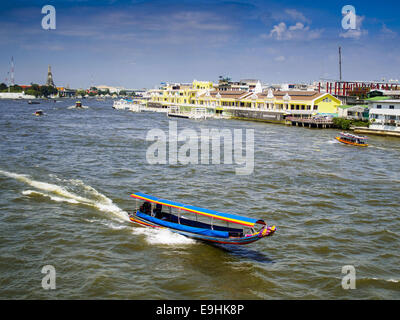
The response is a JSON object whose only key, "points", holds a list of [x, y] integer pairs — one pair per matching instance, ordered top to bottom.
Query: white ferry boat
{"points": [[131, 105]]}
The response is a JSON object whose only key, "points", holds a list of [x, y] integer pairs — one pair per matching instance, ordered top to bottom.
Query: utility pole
{"points": [[340, 64]]}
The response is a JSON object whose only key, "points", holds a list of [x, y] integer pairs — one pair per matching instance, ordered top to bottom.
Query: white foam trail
{"points": [[74, 107], [59, 194], [54, 198], [99, 201], [108, 224], [163, 236]]}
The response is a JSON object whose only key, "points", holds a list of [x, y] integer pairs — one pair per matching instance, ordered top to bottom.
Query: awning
{"points": [[249, 222]]}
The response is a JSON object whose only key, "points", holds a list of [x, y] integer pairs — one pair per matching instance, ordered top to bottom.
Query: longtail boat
{"points": [[352, 139], [198, 223]]}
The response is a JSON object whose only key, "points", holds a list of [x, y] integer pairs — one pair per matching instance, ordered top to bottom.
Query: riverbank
{"points": [[377, 132]]}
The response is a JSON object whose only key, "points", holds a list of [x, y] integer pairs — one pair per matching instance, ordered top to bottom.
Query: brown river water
{"points": [[66, 177]]}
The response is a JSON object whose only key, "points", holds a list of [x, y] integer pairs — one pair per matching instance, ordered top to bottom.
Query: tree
{"points": [[3, 87], [35, 87], [15, 88], [47, 90], [32, 92], [80, 92]]}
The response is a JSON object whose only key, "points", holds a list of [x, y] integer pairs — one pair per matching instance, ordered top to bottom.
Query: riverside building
{"points": [[257, 104], [384, 115]]}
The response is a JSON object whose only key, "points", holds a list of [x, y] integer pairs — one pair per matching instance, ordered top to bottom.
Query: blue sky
{"points": [[138, 44]]}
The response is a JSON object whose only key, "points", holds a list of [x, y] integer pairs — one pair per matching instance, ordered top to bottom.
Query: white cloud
{"points": [[297, 15], [299, 31], [356, 33], [387, 33], [353, 34], [280, 59]]}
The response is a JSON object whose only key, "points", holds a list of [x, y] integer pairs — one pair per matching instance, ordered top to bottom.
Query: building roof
{"points": [[227, 94], [240, 95], [295, 95], [379, 98], [388, 100], [353, 106]]}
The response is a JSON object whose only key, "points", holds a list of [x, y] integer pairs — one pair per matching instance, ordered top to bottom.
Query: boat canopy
{"points": [[352, 136], [249, 222]]}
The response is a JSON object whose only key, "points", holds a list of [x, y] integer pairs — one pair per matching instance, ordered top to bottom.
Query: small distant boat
{"points": [[33, 102], [78, 105], [38, 113], [352, 139], [197, 223]]}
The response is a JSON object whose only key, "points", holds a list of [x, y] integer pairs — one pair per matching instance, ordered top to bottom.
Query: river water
{"points": [[65, 181]]}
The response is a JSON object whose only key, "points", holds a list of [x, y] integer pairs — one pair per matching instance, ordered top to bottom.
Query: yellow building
{"points": [[203, 94]]}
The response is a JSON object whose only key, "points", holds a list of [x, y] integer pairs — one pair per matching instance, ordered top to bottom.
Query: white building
{"points": [[111, 89], [15, 95], [385, 115]]}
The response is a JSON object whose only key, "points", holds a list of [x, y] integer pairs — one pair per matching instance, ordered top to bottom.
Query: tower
{"points": [[340, 63], [12, 72], [50, 81], [258, 88]]}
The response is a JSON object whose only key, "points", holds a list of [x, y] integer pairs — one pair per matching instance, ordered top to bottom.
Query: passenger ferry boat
{"points": [[133, 105], [352, 139], [198, 223]]}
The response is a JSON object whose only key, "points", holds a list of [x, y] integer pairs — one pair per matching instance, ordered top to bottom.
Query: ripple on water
{"points": [[62, 203]]}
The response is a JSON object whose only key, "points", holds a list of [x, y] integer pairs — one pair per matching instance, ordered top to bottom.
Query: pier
{"points": [[309, 122], [378, 132]]}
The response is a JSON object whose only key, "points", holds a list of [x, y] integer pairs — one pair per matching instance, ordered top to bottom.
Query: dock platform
{"points": [[309, 122]]}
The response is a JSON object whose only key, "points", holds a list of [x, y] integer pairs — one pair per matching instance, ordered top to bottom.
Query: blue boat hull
{"points": [[202, 234]]}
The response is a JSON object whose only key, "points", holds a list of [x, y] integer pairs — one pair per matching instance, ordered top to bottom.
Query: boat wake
{"points": [[74, 107], [333, 141], [34, 193], [58, 193], [88, 196], [108, 224], [163, 237]]}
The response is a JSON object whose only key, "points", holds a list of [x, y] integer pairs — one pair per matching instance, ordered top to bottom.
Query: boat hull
{"points": [[351, 143], [231, 240]]}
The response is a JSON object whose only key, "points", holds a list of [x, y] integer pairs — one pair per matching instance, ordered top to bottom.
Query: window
{"points": [[379, 106], [315, 107], [391, 107]]}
